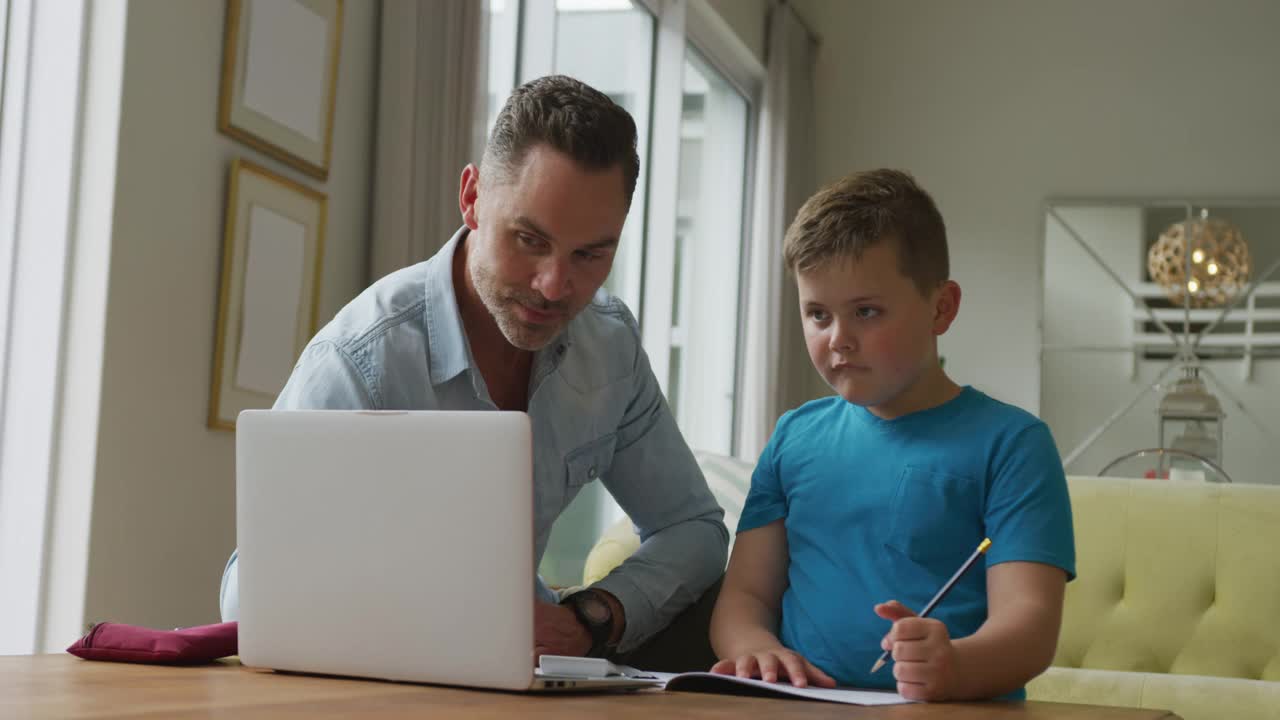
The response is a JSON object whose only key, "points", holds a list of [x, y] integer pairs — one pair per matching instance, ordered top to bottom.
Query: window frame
{"points": [[678, 24], [720, 47], [42, 104], [59, 133], [690, 379]]}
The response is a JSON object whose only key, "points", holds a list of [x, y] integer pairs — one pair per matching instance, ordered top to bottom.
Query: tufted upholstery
{"points": [[1174, 578], [1177, 603], [1192, 697]]}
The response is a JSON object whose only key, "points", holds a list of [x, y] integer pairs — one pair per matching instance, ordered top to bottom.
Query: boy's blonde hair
{"points": [[864, 209]]}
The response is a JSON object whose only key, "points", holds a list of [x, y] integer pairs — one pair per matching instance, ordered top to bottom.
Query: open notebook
{"points": [[710, 683]]}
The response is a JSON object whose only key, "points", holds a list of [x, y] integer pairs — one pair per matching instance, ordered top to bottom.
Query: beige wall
{"points": [[747, 18], [996, 105], [163, 504]]}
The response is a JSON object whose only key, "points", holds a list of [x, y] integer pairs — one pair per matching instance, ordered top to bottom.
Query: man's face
{"points": [[542, 242], [869, 331]]}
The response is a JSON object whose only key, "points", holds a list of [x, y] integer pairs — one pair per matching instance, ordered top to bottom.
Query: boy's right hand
{"points": [[766, 664]]}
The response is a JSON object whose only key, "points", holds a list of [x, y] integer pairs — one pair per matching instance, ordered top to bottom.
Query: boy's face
{"points": [[871, 334]]}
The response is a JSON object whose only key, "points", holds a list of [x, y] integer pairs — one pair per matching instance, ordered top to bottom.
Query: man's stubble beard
{"points": [[499, 304]]}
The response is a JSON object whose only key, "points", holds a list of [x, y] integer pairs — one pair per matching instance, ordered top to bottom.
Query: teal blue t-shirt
{"points": [[878, 510]]}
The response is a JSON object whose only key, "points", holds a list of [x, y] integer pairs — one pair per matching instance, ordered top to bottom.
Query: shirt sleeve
{"points": [[325, 378], [657, 482], [766, 500], [1028, 513]]}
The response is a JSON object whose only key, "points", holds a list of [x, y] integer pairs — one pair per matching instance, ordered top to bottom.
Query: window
{"points": [[503, 25], [608, 45], [59, 111], [711, 186], [6, 233], [678, 264]]}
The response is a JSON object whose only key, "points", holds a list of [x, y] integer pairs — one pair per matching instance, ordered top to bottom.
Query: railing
{"points": [[1247, 332]]}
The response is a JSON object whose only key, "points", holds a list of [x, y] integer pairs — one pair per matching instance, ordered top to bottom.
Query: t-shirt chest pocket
{"points": [[590, 461], [936, 518]]}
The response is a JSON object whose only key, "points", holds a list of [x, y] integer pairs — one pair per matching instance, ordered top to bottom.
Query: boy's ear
{"points": [[946, 306]]}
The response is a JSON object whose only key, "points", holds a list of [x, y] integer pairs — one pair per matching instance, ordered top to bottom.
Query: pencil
{"points": [[982, 548]]}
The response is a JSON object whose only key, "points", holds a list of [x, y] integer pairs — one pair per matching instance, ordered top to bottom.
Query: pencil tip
{"points": [[879, 664]]}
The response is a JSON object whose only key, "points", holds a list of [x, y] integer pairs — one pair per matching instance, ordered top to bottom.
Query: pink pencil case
{"points": [[129, 643]]}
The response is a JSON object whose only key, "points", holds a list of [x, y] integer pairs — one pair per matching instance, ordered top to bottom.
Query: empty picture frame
{"points": [[279, 78], [267, 308]]}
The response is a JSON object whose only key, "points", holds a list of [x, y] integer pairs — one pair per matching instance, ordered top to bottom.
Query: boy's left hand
{"points": [[924, 658]]}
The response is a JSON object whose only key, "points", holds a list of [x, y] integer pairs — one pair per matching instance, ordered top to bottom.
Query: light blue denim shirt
{"points": [[596, 410]]}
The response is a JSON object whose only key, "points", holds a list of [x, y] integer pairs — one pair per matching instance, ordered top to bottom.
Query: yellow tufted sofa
{"points": [[1176, 604]]}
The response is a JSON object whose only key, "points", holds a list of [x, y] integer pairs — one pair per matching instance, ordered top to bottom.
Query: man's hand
{"points": [[556, 631], [924, 658], [766, 664]]}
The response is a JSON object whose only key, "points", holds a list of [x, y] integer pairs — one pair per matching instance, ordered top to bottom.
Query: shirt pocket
{"points": [[590, 461], [935, 519]]}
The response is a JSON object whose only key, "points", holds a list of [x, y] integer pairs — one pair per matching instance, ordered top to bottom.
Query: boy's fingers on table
{"points": [[768, 664], [724, 667], [797, 672], [820, 678]]}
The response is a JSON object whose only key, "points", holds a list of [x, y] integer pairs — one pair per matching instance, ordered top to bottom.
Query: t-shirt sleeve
{"points": [[765, 501], [1028, 514]]}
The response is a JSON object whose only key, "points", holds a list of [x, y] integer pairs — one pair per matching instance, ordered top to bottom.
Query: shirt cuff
{"points": [[640, 615]]}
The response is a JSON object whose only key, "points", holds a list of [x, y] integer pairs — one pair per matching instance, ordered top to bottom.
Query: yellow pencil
{"points": [[982, 548]]}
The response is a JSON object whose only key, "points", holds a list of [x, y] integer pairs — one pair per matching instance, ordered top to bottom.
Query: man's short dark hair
{"points": [[570, 117], [865, 209]]}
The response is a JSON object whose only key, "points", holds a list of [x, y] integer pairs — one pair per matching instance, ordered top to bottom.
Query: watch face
{"points": [[595, 608]]}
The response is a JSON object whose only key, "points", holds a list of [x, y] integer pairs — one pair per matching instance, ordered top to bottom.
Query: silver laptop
{"points": [[390, 545]]}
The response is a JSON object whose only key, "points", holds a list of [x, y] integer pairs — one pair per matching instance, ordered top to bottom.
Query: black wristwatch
{"points": [[596, 615]]}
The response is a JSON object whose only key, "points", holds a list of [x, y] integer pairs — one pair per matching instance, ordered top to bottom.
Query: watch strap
{"points": [[599, 632]]}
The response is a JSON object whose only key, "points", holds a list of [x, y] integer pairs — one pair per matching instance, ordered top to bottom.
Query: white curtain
{"points": [[431, 90], [776, 370]]}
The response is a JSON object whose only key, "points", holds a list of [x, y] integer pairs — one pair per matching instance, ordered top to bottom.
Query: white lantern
{"points": [[1191, 418]]}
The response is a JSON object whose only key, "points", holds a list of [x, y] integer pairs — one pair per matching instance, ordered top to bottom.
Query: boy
{"points": [[885, 490]]}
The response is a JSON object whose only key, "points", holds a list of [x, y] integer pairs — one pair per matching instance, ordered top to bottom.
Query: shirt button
{"points": [[592, 472]]}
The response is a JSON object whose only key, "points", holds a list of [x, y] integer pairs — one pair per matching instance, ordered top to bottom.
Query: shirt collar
{"points": [[448, 353]]}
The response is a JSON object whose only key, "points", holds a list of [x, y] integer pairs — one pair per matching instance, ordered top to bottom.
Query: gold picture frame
{"points": [[280, 79], [268, 303]]}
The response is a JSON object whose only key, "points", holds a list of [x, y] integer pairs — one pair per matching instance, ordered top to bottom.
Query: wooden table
{"points": [[61, 686]]}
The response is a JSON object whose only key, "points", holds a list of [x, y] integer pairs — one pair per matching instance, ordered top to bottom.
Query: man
{"points": [[507, 315]]}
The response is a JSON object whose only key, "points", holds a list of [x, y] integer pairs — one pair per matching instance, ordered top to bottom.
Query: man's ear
{"points": [[468, 195], [946, 306]]}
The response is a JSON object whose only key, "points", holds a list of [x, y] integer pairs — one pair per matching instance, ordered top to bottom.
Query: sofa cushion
{"points": [[1174, 578], [1191, 697]]}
